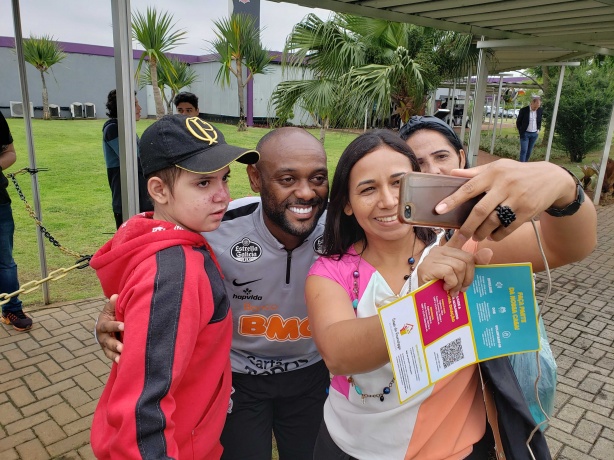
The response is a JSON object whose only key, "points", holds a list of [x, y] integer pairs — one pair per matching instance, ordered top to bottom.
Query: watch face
{"points": [[580, 198]]}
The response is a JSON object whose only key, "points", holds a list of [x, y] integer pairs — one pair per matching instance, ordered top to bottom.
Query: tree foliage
{"points": [[155, 32], [238, 47], [43, 52], [368, 65], [584, 109]]}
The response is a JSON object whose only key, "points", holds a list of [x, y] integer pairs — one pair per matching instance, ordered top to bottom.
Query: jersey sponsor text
{"points": [[246, 251], [250, 307], [275, 327]]}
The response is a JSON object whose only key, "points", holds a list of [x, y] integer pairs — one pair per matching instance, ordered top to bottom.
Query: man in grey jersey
{"points": [[265, 248]]}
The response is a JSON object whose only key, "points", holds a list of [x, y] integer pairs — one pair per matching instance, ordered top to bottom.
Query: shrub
{"points": [[584, 111]]}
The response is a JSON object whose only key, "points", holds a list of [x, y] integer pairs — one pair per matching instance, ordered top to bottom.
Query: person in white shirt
{"points": [[529, 122]]}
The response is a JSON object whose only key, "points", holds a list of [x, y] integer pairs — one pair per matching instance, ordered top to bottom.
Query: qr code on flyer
{"points": [[452, 353]]}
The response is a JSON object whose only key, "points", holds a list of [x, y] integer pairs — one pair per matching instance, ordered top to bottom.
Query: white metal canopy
{"points": [[524, 33]]}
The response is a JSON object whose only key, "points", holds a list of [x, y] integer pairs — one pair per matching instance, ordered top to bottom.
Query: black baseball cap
{"points": [[189, 143]]}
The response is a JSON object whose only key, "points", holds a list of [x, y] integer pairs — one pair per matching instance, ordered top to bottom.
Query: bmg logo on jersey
{"points": [[246, 251], [275, 327]]}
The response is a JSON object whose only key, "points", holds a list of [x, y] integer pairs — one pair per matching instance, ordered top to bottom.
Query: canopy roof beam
{"points": [[398, 15], [544, 41]]}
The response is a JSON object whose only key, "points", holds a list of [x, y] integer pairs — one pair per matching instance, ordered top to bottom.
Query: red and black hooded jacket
{"points": [[168, 396]]}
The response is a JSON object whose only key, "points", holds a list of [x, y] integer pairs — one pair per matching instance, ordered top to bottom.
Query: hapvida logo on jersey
{"points": [[247, 295], [275, 327]]}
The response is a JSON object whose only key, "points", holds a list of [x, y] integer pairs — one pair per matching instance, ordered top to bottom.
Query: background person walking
{"points": [[529, 122]]}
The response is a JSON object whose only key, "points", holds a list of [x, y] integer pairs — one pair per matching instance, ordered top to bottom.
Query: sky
{"points": [[89, 21]]}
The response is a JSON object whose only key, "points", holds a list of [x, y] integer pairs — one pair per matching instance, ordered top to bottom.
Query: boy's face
{"points": [[185, 108], [198, 201]]}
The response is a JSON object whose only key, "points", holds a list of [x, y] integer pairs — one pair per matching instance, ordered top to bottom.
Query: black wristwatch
{"points": [[572, 207]]}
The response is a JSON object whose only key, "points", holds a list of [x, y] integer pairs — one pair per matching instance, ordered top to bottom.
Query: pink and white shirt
{"points": [[441, 423]]}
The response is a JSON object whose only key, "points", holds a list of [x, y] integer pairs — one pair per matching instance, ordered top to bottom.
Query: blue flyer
{"points": [[502, 310], [430, 334]]}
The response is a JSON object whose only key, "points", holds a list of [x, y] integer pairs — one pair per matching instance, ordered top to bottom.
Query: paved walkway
{"points": [[51, 377]]}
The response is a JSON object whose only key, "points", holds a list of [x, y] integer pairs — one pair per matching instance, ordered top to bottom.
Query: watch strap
{"points": [[572, 207]]}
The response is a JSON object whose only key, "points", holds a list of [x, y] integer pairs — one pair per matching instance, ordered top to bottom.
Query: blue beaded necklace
{"points": [[356, 274], [356, 277], [364, 396]]}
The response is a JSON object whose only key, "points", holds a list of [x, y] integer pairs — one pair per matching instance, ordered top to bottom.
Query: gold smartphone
{"points": [[421, 192]]}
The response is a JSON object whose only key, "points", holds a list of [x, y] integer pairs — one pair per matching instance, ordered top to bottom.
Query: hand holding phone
{"points": [[421, 192]]}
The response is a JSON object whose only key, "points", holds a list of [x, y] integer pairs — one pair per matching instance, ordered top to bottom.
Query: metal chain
{"points": [[43, 230], [83, 260], [53, 276]]}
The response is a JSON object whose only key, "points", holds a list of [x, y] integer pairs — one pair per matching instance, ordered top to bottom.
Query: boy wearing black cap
{"points": [[169, 395]]}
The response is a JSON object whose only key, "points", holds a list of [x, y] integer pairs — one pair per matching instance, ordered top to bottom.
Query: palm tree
{"points": [[154, 31], [238, 46], [328, 51], [43, 52], [377, 66], [176, 78]]}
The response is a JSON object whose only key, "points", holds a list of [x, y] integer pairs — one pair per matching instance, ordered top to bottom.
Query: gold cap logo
{"points": [[202, 130]]}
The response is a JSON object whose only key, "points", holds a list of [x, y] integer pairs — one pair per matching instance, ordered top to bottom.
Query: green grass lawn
{"points": [[76, 200]]}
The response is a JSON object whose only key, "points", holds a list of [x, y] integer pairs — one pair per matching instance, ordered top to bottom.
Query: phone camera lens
{"points": [[407, 212]]}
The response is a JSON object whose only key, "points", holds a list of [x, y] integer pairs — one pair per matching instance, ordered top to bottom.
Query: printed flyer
{"points": [[430, 334]]}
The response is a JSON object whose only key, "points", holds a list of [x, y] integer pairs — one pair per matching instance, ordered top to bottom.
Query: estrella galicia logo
{"points": [[318, 244], [246, 251]]}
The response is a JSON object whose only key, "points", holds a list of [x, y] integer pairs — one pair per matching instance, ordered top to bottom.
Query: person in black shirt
{"points": [[110, 147], [12, 311]]}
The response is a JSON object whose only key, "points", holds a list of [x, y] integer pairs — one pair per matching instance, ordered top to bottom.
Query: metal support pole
{"points": [[432, 103], [448, 105], [465, 105], [478, 109], [492, 109], [366, 113], [554, 113], [451, 120], [501, 122], [494, 131], [29, 139], [604, 159], [128, 160]]}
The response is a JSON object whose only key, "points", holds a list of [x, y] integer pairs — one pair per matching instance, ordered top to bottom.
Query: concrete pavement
{"points": [[52, 376]]}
